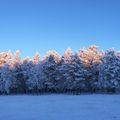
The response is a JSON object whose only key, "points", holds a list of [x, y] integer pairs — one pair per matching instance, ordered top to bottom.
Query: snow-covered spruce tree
{"points": [[91, 59], [50, 64], [26, 66], [65, 72], [109, 72], [80, 73], [6, 74], [19, 75], [35, 75], [5, 79], [19, 81], [36, 81]]}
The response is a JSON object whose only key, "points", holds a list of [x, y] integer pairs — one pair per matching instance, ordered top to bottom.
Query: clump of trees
{"points": [[88, 70]]}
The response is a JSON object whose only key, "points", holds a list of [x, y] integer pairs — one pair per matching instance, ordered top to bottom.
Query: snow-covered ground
{"points": [[60, 107]]}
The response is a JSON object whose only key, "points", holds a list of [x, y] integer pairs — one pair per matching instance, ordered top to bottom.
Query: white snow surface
{"points": [[60, 107]]}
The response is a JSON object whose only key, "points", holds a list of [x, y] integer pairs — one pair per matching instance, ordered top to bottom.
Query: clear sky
{"points": [[42, 25]]}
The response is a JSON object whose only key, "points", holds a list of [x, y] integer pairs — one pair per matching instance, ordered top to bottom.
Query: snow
{"points": [[60, 107]]}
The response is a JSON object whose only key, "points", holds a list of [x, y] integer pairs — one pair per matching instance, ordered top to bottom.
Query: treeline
{"points": [[88, 70]]}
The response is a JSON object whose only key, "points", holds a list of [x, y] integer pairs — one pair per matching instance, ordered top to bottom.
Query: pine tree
{"points": [[91, 59], [51, 62], [65, 71], [80, 73], [20, 76], [109, 77], [5, 79], [36, 81]]}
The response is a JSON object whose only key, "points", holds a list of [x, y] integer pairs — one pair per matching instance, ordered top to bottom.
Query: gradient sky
{"points": [[42, 25]]}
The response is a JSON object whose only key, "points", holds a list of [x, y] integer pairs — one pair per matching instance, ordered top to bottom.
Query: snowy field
{"points": [[60, 107]]}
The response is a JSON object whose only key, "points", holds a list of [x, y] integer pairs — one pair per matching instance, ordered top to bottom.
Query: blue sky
{"points": [[42, 25]]}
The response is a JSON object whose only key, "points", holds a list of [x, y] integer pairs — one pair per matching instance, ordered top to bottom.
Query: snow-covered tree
{"points": [[54, 54], [90, 55], [67, 57], [9, 58], [17, 58], [36, 58], [3, 59], [91, 59], [51, 62], [65, 71], [109, 72], [80, 75], [20, 76], [5, 79], [36, 81]]}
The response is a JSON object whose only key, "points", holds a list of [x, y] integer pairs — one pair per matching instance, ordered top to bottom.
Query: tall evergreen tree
{"points": [[51, 62], [109, 77], [6, 79]]}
